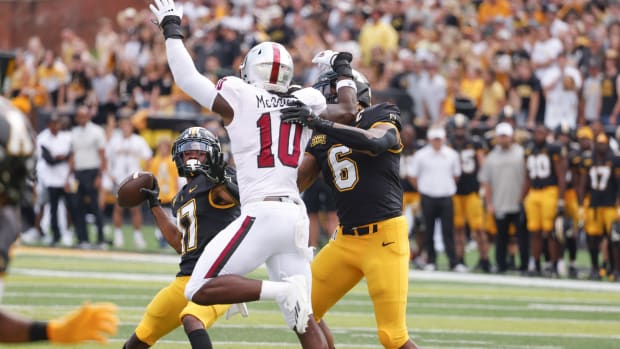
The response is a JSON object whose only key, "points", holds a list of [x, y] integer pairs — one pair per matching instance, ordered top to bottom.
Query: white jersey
{"points": [[266, 151], [125, 155]]}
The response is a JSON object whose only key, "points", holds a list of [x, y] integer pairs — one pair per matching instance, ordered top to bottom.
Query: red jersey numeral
{"points": [[265, 157]]}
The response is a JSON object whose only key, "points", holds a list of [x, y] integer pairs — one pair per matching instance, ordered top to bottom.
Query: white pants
{"points": [[270, 232]]}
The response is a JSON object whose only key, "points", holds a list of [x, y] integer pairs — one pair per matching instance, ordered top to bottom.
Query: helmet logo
{"points": [[275, 67]]}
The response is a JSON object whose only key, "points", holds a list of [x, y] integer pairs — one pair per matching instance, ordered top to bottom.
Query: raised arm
{"points": [[184, 72]]}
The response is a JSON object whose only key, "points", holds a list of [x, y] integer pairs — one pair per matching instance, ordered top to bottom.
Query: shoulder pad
{"points": [[383, 112]]}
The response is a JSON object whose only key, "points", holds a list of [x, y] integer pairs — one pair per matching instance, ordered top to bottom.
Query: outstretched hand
{"points": [[166, 8], [299, 113], [216, 167], [91, 322]]}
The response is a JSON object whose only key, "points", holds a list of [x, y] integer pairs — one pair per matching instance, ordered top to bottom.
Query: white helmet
{"points": [[268, 65]]}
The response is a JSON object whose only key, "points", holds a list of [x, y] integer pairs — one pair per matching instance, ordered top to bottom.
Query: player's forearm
{"points": [[187, 76], [344, 112], [375, 142], [168, 228], [16, 329]]}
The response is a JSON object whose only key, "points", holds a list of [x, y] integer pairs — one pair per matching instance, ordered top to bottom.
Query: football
{"points": [[129, 194]]}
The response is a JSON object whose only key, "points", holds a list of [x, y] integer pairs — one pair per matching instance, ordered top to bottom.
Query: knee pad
{"points": [[391, 339]]}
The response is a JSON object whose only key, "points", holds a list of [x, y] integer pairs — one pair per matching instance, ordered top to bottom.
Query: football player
{"points": [[360, 161], [600, 178], [543, 195], [467, 202], [202, 208], [570, 223], [273, 226], [91, 322]]}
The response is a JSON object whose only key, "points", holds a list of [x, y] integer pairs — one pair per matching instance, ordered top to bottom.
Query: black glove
{"points": [[342, 64], [299, 113], [216, 167], [152, 195]]}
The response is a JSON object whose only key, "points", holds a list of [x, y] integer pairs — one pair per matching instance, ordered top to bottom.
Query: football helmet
{"points": [[268, 65], [326, 84], [564, 129], [194, 138], [17, 146]]}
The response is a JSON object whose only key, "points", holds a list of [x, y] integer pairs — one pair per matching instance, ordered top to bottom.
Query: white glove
{"points": [[163, 8], [324, 60], [238, 308]]}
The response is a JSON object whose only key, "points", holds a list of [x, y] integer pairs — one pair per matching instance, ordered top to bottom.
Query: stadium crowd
{"points": [[526, 63]]}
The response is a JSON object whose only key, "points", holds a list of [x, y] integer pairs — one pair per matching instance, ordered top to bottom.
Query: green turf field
{"points": [[445, 310]]}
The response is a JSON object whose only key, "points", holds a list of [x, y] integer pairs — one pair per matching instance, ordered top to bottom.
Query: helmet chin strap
{"points": [[193, 167]]}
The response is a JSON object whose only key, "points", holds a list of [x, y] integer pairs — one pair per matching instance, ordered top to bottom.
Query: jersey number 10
{"points": [[288, 158]]}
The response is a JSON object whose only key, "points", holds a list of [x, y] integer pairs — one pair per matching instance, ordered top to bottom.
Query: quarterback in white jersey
{"points": [[273, 225]]}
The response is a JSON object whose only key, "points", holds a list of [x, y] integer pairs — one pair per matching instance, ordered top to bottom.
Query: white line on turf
{"points": [[513, 281]]}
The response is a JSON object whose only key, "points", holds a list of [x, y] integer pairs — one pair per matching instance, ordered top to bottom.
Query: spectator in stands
{"points": [[376, 33], [561, 84], [434, 86], [610, 87], [105, 88], [592, 91], [526, 95], [126, 153], [87, 162], [434, 171], [502, 176]]}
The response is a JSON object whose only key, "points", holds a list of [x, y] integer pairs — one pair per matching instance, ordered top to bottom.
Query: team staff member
{"points": [[87, 162], [361, 163], [436, 169], [600, 173], [502, 176], [543, 194], [467, 202], [202, 209], [91, 322]]}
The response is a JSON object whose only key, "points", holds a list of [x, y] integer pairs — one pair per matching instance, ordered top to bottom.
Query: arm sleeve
{"points": [[197, 86], [358, 139]]}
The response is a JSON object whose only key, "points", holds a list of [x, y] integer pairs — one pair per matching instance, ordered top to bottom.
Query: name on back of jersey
{"points": [[265, 102]]}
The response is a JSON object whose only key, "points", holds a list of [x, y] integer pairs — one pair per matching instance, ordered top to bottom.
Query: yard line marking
{"points": [[95, 254], [94, 275], [513, 281], [574, 307]]}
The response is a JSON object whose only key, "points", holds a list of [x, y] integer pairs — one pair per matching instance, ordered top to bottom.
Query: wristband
{"points": [[172, 27], [346, 83], [37, 332]]}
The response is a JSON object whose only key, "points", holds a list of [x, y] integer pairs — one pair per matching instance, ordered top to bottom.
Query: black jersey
{"points": [[609, 94], [573, 159], [539, 161], [602, 175], [468, 181], [367, 188], [199, 218]]}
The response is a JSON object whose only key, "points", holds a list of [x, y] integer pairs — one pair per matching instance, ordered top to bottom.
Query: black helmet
{"points": [[329, 79], [459, 121], [194, 138], [17, 147]]}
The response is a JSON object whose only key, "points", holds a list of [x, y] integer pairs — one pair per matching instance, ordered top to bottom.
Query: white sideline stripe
{"points": [[94, 254], [93, 275], [507, 280], [574, 307]]}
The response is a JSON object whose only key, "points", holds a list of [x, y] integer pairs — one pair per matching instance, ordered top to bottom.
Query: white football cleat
{"points": [[296, 302], [237, 308]]}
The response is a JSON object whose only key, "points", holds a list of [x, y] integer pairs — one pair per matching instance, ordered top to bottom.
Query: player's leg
{"points": [[460, 209], [533, 209], [430, 212], [549, 212], [474, 215], [117, 221], [136, 221], [263, 230], [594, 231], [570, 244], [343, 253], [386, 269], [161, 316], [197, 319]]}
